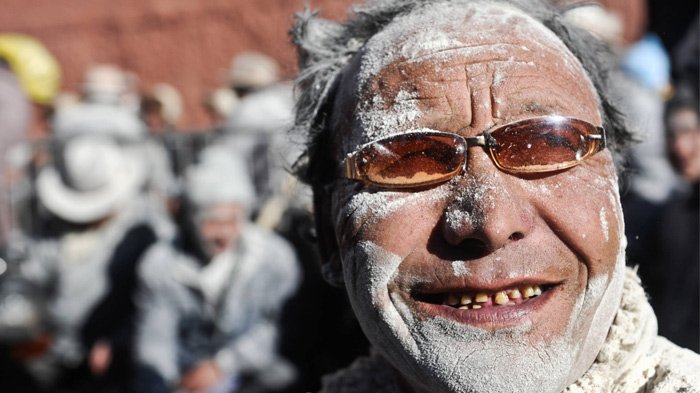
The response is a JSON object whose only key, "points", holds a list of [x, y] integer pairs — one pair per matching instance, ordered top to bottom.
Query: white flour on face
{"points": [[415, 37], [425, 42], [377, 121], [475, 198], [367, 208], [604, 224], [460, 268], [367, 270], [602, 300], [437, 354], [444, 356]]}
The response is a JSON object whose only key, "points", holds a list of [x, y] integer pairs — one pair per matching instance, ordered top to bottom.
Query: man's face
{"points": [[219, 227], [406, 255]]}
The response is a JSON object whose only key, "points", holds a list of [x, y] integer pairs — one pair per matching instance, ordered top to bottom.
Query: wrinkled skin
{"points": [[485, 229]]}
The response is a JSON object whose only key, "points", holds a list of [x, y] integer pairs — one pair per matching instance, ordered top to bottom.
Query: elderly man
{"points": [[462, 159], [210, 306]]}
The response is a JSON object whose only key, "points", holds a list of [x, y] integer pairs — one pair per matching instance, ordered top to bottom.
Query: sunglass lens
{"points": [[542, 146], [412, 159]]}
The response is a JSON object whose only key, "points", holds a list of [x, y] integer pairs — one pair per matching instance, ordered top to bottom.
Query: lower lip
{"points": [[494, 317]]}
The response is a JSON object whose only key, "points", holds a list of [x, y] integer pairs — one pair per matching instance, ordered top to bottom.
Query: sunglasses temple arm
{"points": [[601, 137], [350, 167]]}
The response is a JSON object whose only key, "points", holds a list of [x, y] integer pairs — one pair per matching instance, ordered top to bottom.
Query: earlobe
{"points": [[331, 266]]}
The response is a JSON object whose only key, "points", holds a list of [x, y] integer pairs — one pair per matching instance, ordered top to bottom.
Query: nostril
{"points": [[516, 236], [473, 248]]}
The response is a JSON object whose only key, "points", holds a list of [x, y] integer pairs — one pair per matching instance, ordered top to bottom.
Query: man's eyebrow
{"points": [[536, 108], [515, 111]]}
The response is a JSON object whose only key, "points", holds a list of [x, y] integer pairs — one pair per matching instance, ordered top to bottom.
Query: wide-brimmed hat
{"points": [[98, 119], [93, 177]]}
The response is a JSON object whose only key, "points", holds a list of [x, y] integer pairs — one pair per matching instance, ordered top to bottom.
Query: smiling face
{"points": [[415, 263]]}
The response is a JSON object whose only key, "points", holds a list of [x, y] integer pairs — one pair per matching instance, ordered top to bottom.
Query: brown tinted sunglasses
{"points": [[421, 158]]}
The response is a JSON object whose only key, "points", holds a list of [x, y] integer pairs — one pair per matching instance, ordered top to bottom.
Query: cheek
{"points": [[582, 207], [396, 221]]}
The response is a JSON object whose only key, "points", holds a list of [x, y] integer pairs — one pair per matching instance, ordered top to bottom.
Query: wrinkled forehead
{"points": [[434, 32], [446, 51]]}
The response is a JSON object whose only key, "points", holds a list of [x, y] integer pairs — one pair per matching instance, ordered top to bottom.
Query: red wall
{"points": [[187, 43]]}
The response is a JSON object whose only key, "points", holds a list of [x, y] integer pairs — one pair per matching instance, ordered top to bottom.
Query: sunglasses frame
{"points": [[486, 140]]}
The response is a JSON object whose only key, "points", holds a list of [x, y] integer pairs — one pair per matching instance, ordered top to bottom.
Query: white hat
{"points": [[253, 70], [107, 84], [170, 101], [222, 101], [267, 111], [98, 119], [220, 177], [94, 178]]}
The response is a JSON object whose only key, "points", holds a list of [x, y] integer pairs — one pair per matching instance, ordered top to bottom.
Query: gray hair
{"points": [[325, 48]]}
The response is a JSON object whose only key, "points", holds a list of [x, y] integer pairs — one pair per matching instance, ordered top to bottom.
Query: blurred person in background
{"points": [[39, 74], [642, 82], [108, 84], [219, 104], [161, 108], [14, 115], [121, 123], [256, 129], [99, 223], [673, 283], [210, 303], [21, 319], [320, 333]]}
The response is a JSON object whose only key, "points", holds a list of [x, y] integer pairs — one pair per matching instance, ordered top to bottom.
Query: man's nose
{"points": [[487, 209]]}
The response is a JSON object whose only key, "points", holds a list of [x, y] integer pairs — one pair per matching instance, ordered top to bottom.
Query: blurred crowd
{"points": [[136, 256], [141, 257]]}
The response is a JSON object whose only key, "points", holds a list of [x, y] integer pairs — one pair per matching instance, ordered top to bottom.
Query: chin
{"points": [[541, 341]]}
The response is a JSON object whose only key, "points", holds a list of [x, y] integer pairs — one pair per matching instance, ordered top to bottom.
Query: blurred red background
{"points": [[188, 44]]}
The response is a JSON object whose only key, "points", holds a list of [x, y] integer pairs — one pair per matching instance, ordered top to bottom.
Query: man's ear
{"points": [[331, 267]]}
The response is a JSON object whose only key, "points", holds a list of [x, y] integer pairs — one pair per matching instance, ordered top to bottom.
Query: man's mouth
{"points": [[475, 300]]}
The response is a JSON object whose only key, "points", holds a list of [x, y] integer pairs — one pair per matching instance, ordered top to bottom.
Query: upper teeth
{"points": [[480, 299]]}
